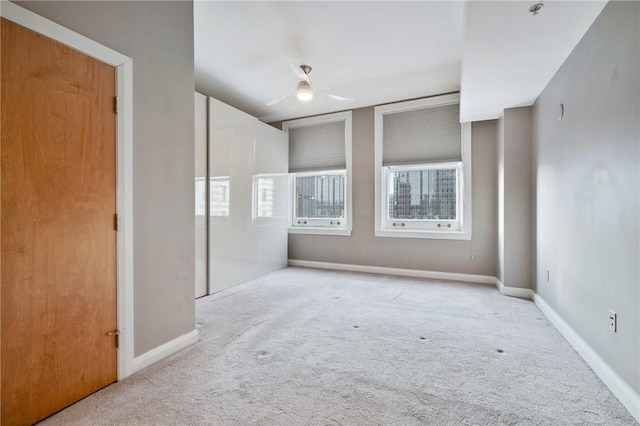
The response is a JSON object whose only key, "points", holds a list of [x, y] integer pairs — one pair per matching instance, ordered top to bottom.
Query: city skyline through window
{"points": [[427, 194], [320, 196]]}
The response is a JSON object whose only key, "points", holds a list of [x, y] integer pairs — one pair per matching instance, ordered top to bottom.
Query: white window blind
{"points": [[425, 135], [317, 147]]}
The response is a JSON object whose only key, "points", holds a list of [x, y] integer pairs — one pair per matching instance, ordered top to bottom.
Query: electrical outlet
{"points": [[548, 276], [613, 321]]}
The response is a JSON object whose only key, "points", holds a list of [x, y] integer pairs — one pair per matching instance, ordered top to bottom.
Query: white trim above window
{"points": [[308, 176], [404, 211]]}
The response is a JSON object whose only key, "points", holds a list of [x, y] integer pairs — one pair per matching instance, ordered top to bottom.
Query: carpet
{"points": [[312, 347]]}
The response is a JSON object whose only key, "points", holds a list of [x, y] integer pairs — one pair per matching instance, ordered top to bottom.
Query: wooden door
{"points": [[58, 243]]}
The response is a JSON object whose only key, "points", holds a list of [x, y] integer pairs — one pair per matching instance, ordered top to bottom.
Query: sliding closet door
{"points": [[230, 163], [248, 185], [271, 200], [202, 205]]}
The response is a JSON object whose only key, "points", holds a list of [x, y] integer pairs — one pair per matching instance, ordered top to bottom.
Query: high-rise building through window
{"points": [[423, 194], [320, 196]]}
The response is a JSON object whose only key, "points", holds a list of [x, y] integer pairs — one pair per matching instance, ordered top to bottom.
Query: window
{"points": [[423, 170], [320, 174], [319, 197], [422, 197]]}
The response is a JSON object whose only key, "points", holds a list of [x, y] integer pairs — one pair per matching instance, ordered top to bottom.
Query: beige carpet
{"points": [[310, 347]]}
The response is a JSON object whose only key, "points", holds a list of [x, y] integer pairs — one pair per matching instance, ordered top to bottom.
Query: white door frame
{"points": [[124, 184]]}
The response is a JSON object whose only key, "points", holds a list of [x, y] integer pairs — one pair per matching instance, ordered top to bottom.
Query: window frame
{"points": [[323, 226], [422, 228]]}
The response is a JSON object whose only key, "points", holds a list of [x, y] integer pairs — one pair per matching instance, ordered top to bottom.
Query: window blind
{"points": [[425, 135], [317, 147]]}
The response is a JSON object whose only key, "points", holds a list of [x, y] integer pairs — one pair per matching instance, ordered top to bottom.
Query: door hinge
{"points": [[115, 104], [116, 222], [115, 333]]}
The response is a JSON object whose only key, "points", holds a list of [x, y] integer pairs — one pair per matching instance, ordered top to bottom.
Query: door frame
{"points": [[124, 161]]}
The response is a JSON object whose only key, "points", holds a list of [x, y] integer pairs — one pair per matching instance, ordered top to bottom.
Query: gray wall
{"points": [[158, 36], [586, 169], [514, 198], [478, 256]]}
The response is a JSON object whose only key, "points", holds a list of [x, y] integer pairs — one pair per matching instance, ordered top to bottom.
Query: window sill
{"points": [[319, 230], [433, 235]]}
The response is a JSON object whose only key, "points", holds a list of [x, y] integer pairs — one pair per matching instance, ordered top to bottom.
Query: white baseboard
{"points": [[483, 279], [523, 293], [164, 350], [626, 395]]}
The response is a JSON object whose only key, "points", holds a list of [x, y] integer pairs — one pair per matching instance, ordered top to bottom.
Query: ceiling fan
{"points": [[304, 91]]}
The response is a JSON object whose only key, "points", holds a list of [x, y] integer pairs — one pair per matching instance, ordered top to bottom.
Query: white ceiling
{"points": [[380, 52], [509, 56]]}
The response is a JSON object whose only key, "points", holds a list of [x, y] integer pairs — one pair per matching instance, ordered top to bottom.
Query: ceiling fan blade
{"points": [[299, 73], [340, 98], [280, 99]]}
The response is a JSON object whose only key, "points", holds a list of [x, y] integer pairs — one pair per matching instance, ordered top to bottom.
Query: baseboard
{"points": [[437, 275], [523, 293], [164, 350], [627, 396]]}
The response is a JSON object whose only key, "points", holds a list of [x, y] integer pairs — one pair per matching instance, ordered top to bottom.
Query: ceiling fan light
{"points": [[304, 92]]}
